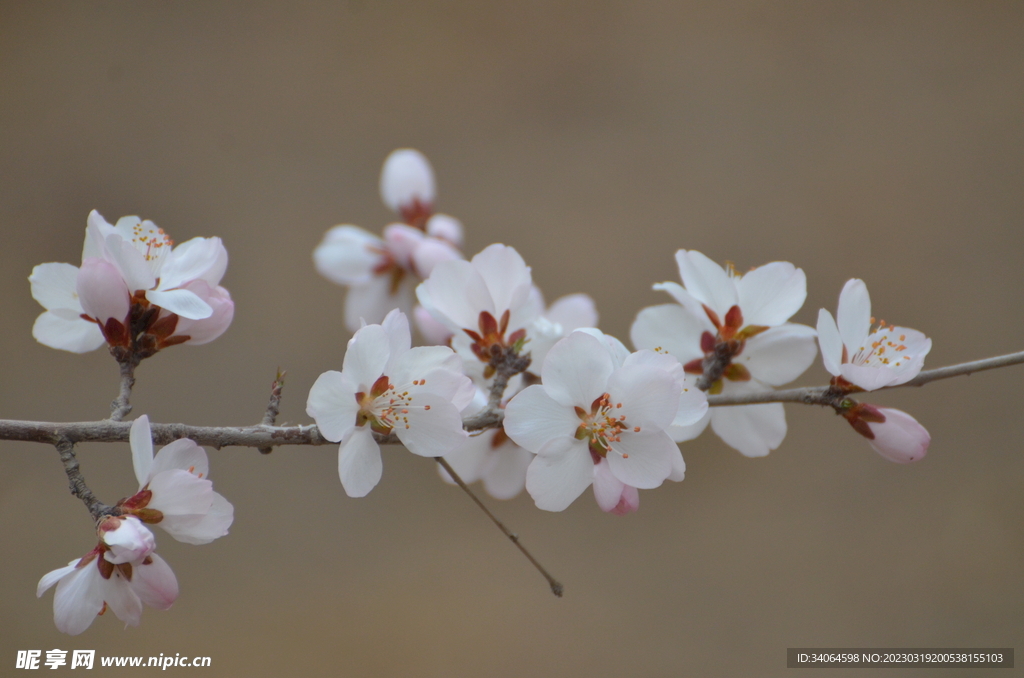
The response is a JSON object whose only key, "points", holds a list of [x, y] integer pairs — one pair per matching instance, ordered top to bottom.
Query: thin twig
{"points": [[819, 395], [121, 406], [273, 407], [76, 481], [556, 587]]}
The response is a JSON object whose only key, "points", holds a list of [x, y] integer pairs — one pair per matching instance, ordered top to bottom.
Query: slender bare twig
{"points": [[819, 395], [121, 406], [273, 407], [76, 481], [556, 587]]}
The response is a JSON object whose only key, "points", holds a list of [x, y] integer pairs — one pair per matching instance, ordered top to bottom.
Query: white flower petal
{"points": [[445, 227], [96, 231], [401, 241], [430, 253], [348, 255], [196, 259], [130, 262], [507, 278], [706, 281], [54, 286], [101, 291], [455, 294], [771, 294], [372, 301], [687, 301], [183, 302], [573, 312], [853, 316], [396, 326], [671, 328], [205, 330], [433, 332], [77, 336], [830, 342], [780, 354], [367, 356], [576, 370], [648, 394], [332, 405], [693, 406], [532, 419], [431, 427], [754, 430], [683, 432], [140, 438], [469, 458], [644, 459], [359, 462], [678, 466], [559, 473], [506, 476], [607, 488], [179, 493], [212, 525], [129, 540], [54, 576], [154, 582], [120, 598], [78, 599]]}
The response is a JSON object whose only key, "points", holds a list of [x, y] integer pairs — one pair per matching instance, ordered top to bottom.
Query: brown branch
{"points": [[821, 395], [120, 407], [108, 431], [76, 481], [556, 587]]}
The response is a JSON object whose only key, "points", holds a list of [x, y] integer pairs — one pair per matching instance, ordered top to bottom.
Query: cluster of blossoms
{"points": [[135, 291], [507, 390], [568, 406], [123, 571]]}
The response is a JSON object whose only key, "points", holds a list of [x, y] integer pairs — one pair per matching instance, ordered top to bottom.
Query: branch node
{"points": [[273, 407]]}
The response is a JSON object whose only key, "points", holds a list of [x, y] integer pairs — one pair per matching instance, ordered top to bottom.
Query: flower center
{"points": [[150, 239], [720, 348], [884, 348], [385, 407], [602, 426]]}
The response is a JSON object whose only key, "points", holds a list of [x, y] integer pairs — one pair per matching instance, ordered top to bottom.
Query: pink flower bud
{"points": [[407, 182], [446, 228], [430, 253], [899, 438], [129, 540]]}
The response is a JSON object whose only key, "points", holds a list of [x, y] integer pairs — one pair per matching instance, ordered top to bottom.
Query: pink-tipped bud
{"points": [[407, 182], [446, 228], [899, 437], [129, 540]]}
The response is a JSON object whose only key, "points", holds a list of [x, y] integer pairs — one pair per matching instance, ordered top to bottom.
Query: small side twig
{"points": [[121, 406], [273, 407], [76, 482], [556, 586]]}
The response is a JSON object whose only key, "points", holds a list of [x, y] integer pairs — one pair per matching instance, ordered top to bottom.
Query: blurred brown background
{"points": [[873, 140]]}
